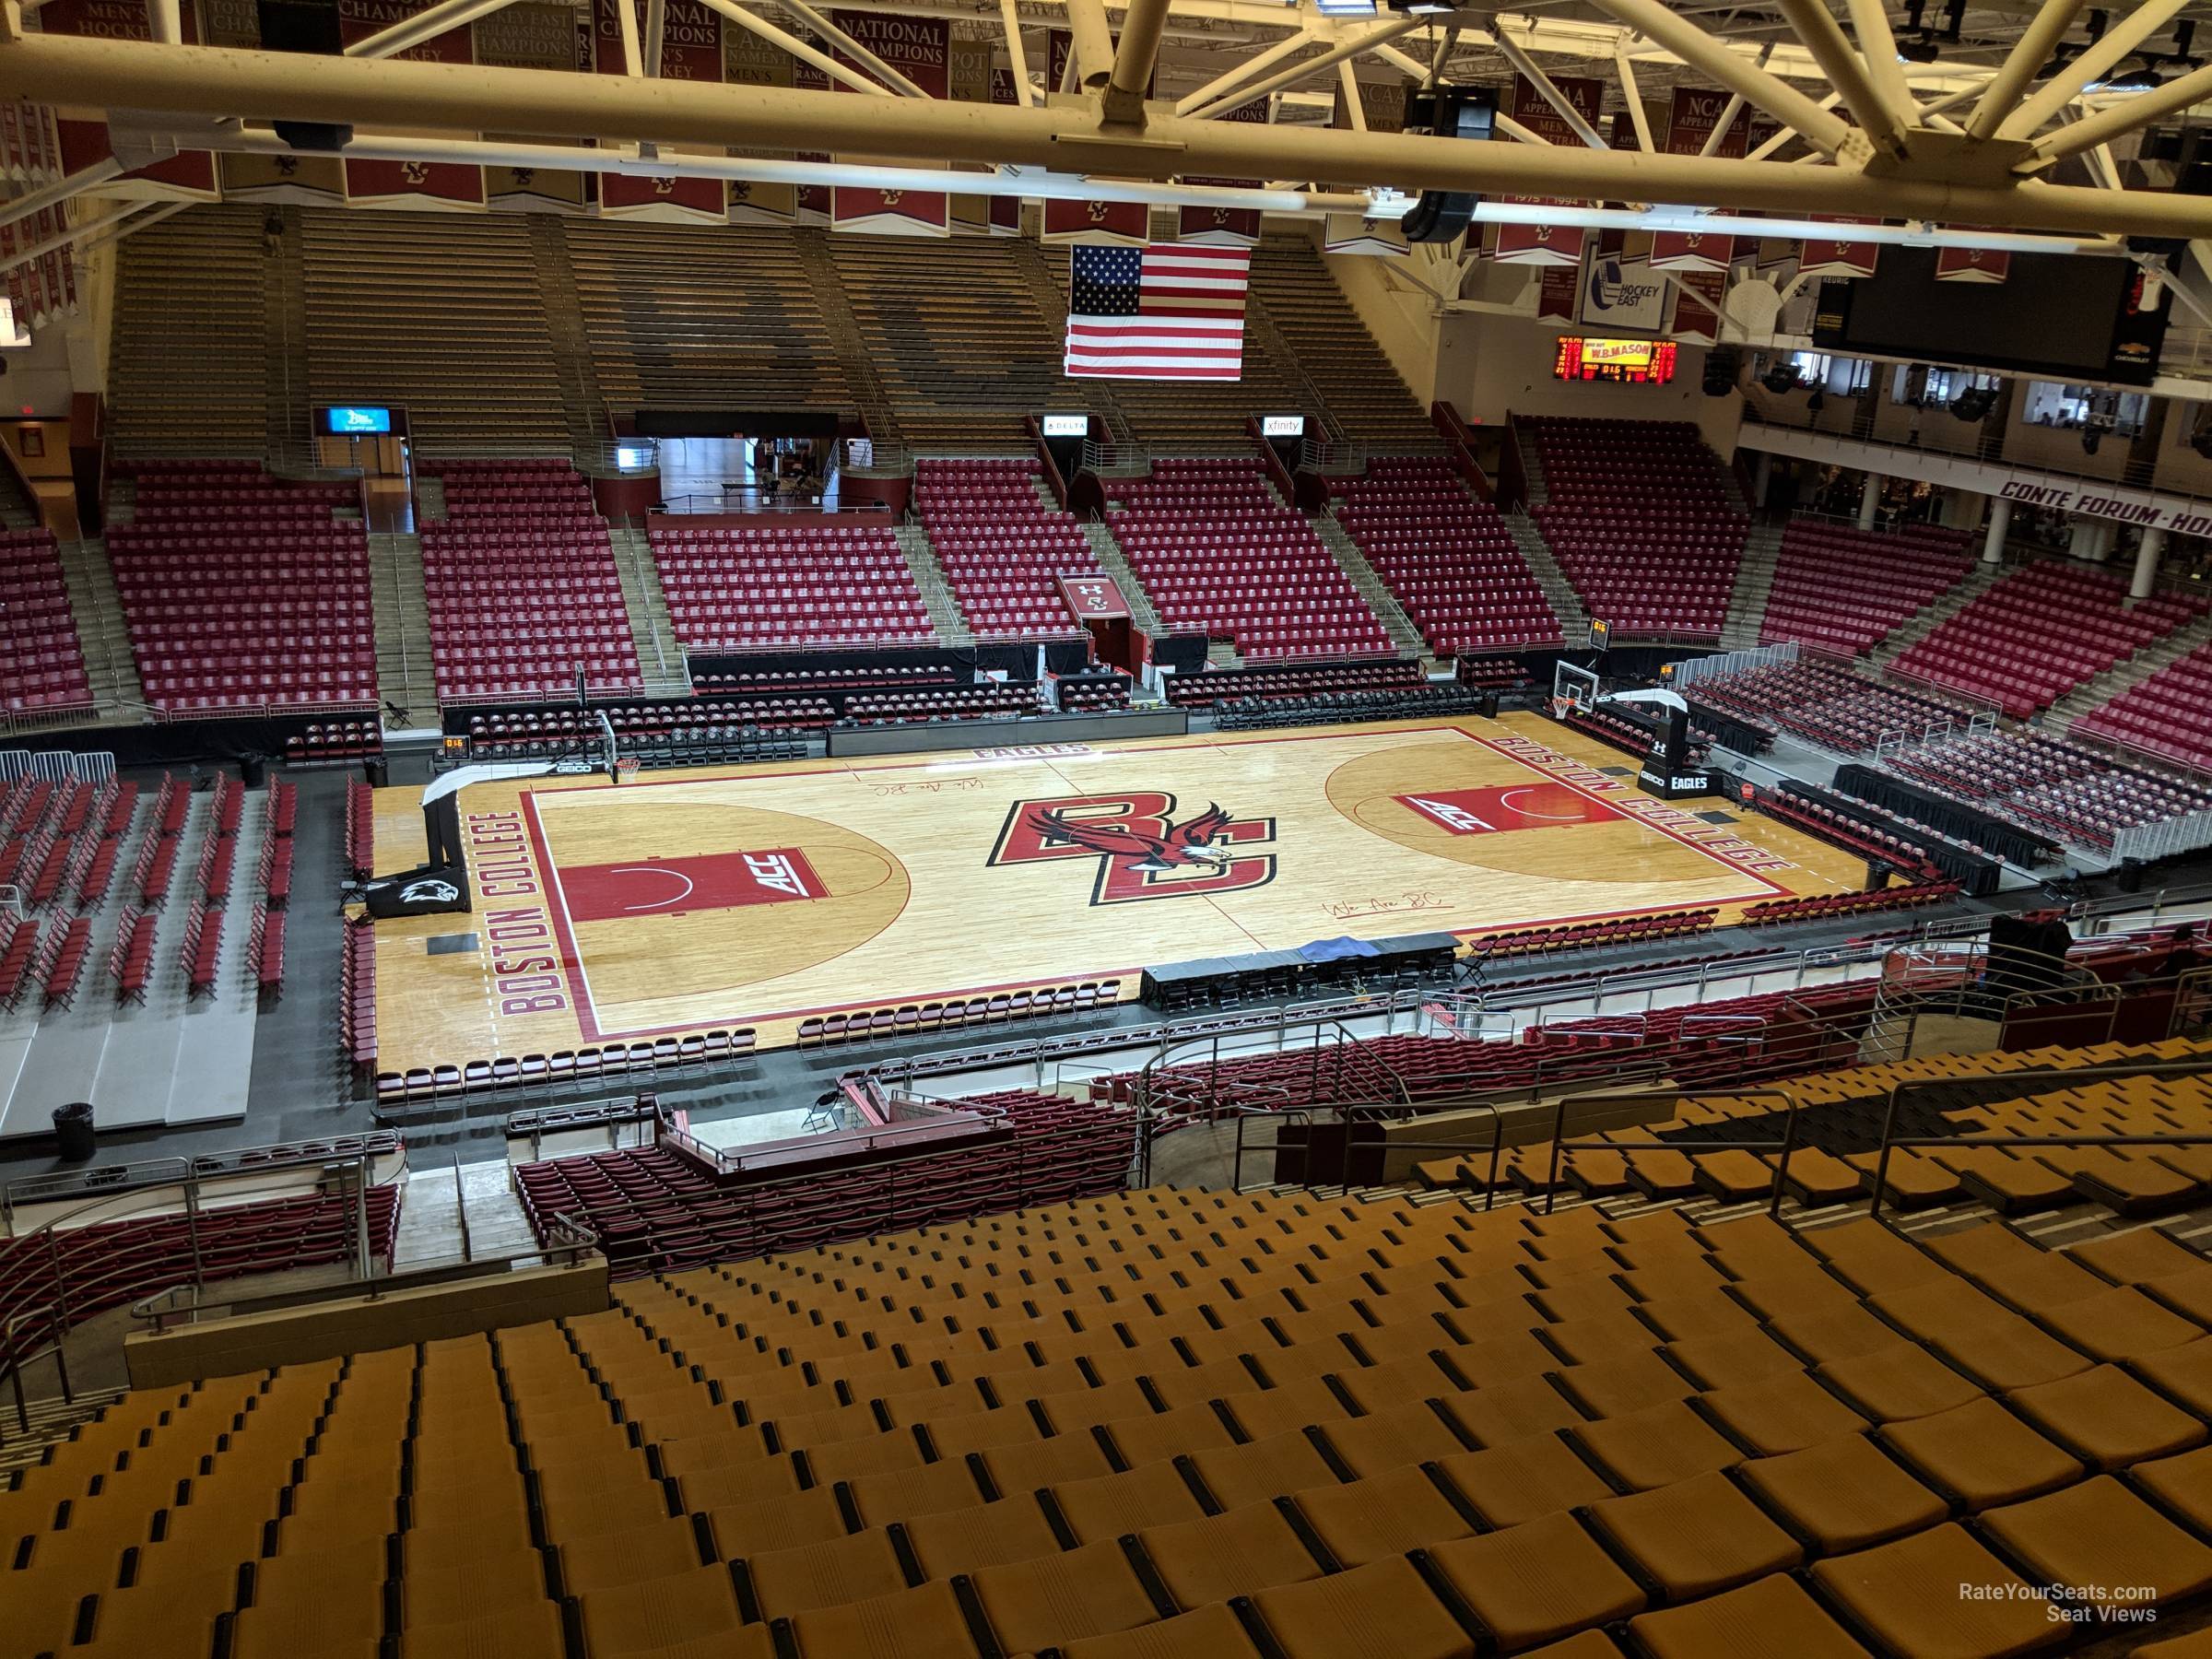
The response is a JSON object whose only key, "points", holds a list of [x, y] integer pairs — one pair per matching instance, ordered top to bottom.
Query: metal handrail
{"points": [[2074, 1077], [12, 1365]]}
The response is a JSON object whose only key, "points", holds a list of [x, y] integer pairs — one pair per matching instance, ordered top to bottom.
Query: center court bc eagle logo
{"points": [[1143, 849]]}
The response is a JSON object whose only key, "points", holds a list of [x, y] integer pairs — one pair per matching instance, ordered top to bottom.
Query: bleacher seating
{"points": [[681, 317], [449, 329], [957, 339], [1335, 353], [189, 374], [1641, 519], [1001, 545], [1218, 554], [1448, 558], [522, 587], [732, 589], [1840, 589], [242, 593], [2039, 633], [41, 661], [824, 682], [1098, 688], [2170, 714], [2061, 788], [1823, 907], [1587, 935], [20, 941]]}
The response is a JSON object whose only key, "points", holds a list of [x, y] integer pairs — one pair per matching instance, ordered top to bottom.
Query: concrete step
{"points": [[1115, 563], [1754, 586], [1566, 604], [943, 610], [101, 631], [1403, 634], [659, 655], [404, 670], [2130, 672]]}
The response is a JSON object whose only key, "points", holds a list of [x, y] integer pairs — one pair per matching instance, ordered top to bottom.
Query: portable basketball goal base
{"points": [[1667, 771]]}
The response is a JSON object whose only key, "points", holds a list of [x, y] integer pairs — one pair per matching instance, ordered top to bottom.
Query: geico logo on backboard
{"points": [[1143, 849]]}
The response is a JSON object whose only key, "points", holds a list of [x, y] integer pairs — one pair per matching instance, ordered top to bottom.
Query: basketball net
{"points": [[1560, 706], [626, 768]]}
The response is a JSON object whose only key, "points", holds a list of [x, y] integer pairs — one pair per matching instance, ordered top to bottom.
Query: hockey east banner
{"points": [[920, 50]]}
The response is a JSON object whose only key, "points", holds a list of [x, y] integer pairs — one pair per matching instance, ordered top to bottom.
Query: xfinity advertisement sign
{"points": [[1619, 293]]}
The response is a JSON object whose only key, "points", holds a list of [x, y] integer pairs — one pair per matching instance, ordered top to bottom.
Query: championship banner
{"points": [[534, 34], [1059, 47], [920, 49], [690, 51], [749, 61], [977, 78], [1382, 108], [188, 176], [437, 185], [813, 199], [1118, 224], [1226, 226], [1548, 244], [1837, 257], [1972, 264], [45, 288], [1619, 294], [1698, 306]]}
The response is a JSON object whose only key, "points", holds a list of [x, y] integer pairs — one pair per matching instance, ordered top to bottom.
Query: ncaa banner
{"points": [[920, 49], [690, 51], [749, 61], [1382, 110], [1690, 125], [188, 176], [813, 199], [1548, 244], [1839, 256], [1618, 294]]}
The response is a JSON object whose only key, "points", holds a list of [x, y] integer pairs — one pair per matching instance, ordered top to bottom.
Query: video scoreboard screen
{"points": [[1587, 358]]}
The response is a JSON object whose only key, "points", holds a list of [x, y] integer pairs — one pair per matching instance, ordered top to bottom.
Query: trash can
{"points": [[253, 770], [73, 1129]]}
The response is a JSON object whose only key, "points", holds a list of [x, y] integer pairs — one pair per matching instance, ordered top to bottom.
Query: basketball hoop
{"points": [[1562, 707], [626, 768]]}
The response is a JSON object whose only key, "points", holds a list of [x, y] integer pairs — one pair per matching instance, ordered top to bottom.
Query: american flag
{"points": [[1166, 310]]}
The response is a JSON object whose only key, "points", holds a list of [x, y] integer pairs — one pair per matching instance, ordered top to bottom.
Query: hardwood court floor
{"points": [[687, 900]]}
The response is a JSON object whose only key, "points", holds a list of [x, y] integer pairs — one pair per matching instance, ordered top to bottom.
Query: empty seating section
{"points": [[403, 310], [681, 317], [957, 339], [189, 374], [1365, 399], [1642, 519], [1001, 545], [1218, 554], [1446, 557], [522, 587], [732, 589], [1841, 589], [242, 593], [2039, 633], [42, 662], [1206, 687], [1096, 689], [967, 703], [1826, 705], [2169, 714], [557, 732], [333, 743], [2049, 785], [357, 998], [656, 1209], [89, 1268], [1169, 1424]]}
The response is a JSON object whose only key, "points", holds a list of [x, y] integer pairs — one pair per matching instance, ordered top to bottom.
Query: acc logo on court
{"points": [[1499, 810], [1143, 849]]}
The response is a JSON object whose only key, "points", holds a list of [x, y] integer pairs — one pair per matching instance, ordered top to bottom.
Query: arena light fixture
{"points": [[1345, 8]]}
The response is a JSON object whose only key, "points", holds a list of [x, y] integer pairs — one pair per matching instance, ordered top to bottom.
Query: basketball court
{"points": [[760, 897]]}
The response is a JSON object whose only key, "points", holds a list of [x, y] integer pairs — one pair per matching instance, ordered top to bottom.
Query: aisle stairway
{"points": [[571, 342], [855, 360], [1115, 563], [929, 578], [1754, 586], [1566, 604], [100, 628], [403, 628], [1403, 634], [660, 653], [2130, 672]]}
